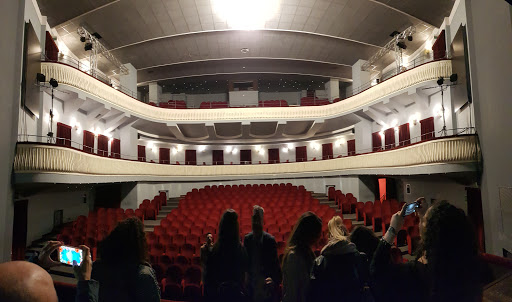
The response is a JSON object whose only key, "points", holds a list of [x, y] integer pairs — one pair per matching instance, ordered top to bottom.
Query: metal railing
{"points": [[95, 73], [385, 76], [259, 160]]}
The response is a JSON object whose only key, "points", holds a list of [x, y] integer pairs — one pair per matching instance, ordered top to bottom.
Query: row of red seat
{"points": [[312, 101], [273, 103], [171, 104], [206, 105], [151, 208]]}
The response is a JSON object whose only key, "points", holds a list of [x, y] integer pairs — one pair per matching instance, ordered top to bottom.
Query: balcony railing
{"points": [[70, 61], [255, 161]]}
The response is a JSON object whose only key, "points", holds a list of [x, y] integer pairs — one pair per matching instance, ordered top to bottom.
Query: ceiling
{"points": [[187, 40]]}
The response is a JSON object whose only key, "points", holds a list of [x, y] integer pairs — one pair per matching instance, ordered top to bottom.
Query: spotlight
{"points": [[394, 33], [96, 35], [409, 38], [82, 39], [401, 45], [88, 46], [40, 77], [454, 77], [440, 81], [54, 83]]}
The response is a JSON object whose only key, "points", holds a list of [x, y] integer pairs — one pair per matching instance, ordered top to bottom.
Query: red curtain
{"points": [[439, 47], [50, 48], [427, 128], [63, 135], [404, 136], [389, 138], [88, 141], [376, 141], [102, 145], [351, 147], [115, 148], [327, 151], [141, 153], [301, 154], [164, 156], [273, 156], [190, 157], [218, 157], [245, 157]]}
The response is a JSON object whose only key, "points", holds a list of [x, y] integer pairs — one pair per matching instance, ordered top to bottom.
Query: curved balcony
{"points": [[80, 81], [50, 163]]}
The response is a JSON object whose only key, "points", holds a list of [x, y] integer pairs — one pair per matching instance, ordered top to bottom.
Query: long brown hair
{"points": [[305, 233]]}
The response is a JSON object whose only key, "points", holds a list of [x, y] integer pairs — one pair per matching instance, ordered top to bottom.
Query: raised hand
{"points": [[44, 259]]}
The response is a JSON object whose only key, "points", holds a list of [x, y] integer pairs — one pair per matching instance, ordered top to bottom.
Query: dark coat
{"points": [[268, 262], [339, 273], [136, 283]]}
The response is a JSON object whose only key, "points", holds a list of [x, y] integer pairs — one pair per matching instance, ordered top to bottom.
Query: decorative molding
{"points": [[81, 81], [45, 158]]}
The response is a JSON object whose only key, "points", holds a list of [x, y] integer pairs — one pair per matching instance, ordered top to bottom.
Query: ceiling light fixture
{"points": [[245, 14], [243, 50]]}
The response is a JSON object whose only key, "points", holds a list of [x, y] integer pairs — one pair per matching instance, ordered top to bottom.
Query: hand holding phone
{"points": [[70, 255], [44, 259], [83, 272]]}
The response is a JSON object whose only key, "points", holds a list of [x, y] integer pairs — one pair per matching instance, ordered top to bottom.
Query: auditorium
{"points": [[256, 150]]}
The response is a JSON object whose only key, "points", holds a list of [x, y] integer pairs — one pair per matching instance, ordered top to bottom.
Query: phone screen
{"points": [[410, 208], [68, 255]]}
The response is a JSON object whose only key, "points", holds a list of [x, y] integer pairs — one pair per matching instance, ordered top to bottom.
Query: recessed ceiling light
{"points": [[244, 50], [243, 67]]}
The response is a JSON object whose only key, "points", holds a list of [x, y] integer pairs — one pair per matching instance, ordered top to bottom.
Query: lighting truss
{"points": [[390, 46], [99, 49]]}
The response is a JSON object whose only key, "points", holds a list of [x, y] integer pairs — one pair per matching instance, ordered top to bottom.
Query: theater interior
{"points": [[173, 111]]}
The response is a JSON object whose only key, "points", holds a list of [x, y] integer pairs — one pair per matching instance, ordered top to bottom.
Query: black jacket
{"points": [[268, 262], [339, 273]]}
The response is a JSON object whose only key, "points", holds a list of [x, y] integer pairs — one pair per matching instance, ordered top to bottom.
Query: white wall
{"points": [[489, 28], [432, 188], [42, 206]]}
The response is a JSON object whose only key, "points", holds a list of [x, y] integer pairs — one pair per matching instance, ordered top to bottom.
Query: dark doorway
{"points": [[190, 157], [217, 157], [245, 157], [108, 196], [474, 199], [19, 230]]}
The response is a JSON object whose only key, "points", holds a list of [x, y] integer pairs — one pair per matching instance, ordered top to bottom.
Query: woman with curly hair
{"points": [[447, 266], [123, 270]]}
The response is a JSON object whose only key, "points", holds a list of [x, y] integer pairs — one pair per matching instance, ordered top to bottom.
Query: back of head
{"points": [[257, 220], [337, 230], [305, 233], [229, 235], [365, 240], [449, 244], [125, 246], [22, 281]]}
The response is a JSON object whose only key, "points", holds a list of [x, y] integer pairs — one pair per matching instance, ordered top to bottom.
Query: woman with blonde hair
{"points": [[340, 272]]}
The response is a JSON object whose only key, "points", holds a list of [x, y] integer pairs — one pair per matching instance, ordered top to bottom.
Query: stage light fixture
{"points": [[394, 33], [96, 35], [409, 38], [82, 39], [401, 45], [88, 46], [40, 77], [454, 77], [440, 81], [54, 83]]}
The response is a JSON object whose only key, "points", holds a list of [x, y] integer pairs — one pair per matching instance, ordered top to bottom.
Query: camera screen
{"points": [[410, 208], [68, 255]]}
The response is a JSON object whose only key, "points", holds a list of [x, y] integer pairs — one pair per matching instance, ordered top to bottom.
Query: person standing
{"points": [[206, 249], [298, 257], [264, 269]]}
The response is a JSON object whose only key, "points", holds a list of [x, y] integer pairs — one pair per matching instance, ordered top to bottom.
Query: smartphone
{"points": [[411, 208], [68, 255]]}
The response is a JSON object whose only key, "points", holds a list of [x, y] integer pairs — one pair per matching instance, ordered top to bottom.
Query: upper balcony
{"points": [[78, 81]]}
